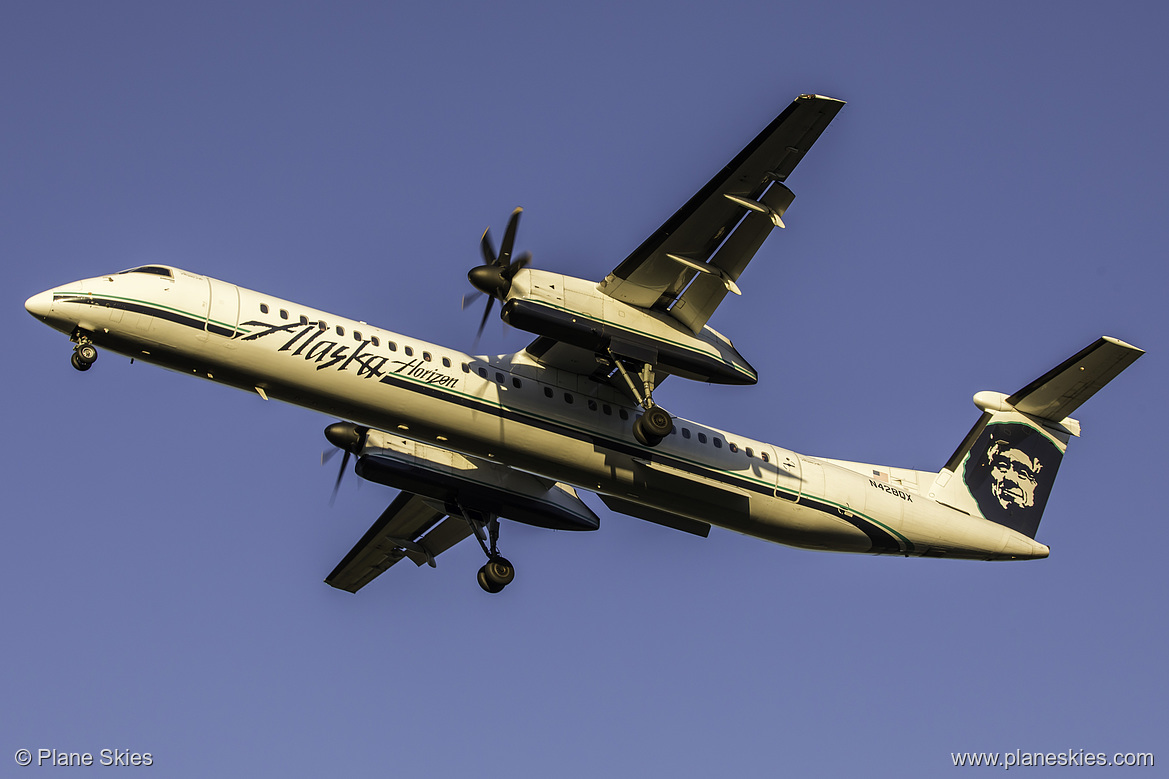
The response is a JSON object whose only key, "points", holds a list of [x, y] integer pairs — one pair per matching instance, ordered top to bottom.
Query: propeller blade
{"points": [[509, 238], [488, 250], [521, 262], [469, 299], [483, 322], [327, 455], [340, 475]]}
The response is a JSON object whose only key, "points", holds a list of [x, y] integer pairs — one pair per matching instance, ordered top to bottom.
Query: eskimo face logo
{"points": [[1009, 472], [1012, 475]]}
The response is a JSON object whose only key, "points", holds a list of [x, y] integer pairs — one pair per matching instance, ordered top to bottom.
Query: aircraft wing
{"points": [[717, 232], [409, 528]]}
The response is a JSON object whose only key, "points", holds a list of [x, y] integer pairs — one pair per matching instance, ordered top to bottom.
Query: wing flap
{"points": [[696, 305], [657, 516]]}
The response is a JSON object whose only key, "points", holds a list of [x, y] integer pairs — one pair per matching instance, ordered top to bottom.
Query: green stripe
{"points": [[152, 304], [594, 433]]}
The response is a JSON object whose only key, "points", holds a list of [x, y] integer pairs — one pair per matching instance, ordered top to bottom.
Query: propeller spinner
{"points": [[493, 278], [347, 437]]}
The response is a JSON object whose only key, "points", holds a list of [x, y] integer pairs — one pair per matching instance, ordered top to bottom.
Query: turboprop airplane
{"points": [[470, 439]]}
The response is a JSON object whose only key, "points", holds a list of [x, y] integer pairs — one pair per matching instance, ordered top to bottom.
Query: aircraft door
{"points": [[223, 311], [788, 473], [811, 477]]}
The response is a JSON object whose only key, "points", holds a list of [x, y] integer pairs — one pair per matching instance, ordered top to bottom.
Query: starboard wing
{"points": [[717, 232]]}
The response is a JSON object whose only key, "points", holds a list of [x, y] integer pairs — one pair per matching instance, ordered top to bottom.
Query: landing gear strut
{"points": [[84, 354], [655, 423], [498, 572]]}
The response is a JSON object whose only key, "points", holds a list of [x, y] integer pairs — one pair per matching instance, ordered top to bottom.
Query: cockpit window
{"points": [[156, 270]]}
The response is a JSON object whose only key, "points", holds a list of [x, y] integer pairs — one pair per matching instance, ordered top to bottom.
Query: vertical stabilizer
{"points": [[1005, 467]]}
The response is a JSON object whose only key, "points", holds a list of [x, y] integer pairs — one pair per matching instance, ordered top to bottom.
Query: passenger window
{"points": [[263, 308], [283, 313], [303, 319], [322, 326], [340, 330], [356, 336], [373, 340], [393, 347], [409, 350], [426, 356], [446, 362], [466, 368], [483, 372], [498, 377], [516, 382], [548, 392], [567, 397], [592, 405], [606, 409], [623, 413], [686, 433], [702, 438], [718, 442], [732, 446], [749, 452], [764, 457]]}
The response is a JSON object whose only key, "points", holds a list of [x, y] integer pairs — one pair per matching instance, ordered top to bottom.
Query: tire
{"points": [[86, 353], [656, 421], [641, 436], [499, 571], [487, 584]]}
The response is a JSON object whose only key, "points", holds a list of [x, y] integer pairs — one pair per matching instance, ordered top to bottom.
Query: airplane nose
{"points": [[40, 304]]}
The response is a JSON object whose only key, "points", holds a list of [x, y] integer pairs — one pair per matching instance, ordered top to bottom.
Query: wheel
{"points": [[86, 353], [78, 364], [656, 421], [652, 426], [640, 435], [499, 571], [486, 584]]}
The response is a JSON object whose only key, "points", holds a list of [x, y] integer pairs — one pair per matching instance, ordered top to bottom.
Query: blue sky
{"points": [[990, 200]]}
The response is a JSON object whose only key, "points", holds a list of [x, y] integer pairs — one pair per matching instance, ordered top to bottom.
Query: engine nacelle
{"points": [[575, 312], [451, 479]]}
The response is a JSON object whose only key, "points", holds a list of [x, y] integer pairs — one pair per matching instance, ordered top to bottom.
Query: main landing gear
{"points": [[84, 354], [655, 423], [498, 572]]}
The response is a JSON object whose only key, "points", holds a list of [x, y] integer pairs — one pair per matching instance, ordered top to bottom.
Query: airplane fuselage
{"points": [[513, 410]]}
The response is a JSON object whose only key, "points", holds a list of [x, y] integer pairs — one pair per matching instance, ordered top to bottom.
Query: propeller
{"points": [[493, 278], [347, 437]]}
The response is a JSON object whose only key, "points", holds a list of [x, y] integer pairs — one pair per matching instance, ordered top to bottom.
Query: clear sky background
{"points": [[991, 200]]}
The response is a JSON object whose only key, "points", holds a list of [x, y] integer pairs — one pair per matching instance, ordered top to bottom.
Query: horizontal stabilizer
{"points": [[1059, 392], [1005, 466]]}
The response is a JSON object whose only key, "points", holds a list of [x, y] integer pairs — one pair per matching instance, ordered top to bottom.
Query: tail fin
{"points": [[1004, 469]]}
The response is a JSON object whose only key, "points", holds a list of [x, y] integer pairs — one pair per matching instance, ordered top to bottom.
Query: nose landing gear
{"points": [[84, 354]]}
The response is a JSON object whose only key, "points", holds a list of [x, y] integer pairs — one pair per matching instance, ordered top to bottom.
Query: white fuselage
{"points": [[514, 411]]}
